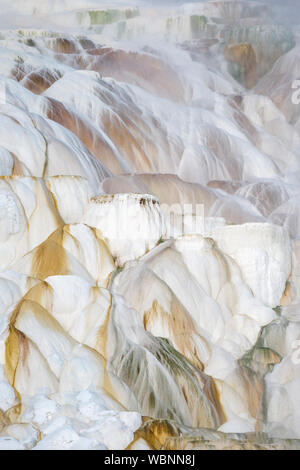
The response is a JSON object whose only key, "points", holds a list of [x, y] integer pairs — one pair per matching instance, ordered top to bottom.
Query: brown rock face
{"points": [[243, 64], [40, 80], [168, 435]]}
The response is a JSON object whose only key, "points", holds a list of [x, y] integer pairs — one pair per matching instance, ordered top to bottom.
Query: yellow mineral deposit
{"points": [[149, 225]]}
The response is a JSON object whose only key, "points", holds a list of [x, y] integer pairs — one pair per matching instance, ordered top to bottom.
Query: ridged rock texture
{"points": [[149, 225]]}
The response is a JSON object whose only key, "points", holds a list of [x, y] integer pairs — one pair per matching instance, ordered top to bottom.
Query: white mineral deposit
{"points": [[149, 225]]}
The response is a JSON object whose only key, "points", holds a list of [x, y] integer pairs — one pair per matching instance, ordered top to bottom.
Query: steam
{"points": [[287, 11], [31, 14], [113, 119]]}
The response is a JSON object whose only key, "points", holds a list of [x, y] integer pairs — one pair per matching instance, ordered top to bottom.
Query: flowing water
{"points": [[149, 224]]}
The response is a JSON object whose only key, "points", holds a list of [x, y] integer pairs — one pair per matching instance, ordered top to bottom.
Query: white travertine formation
{"points": [[25, 204], [131, 224], [149, 226], [263, 253], [194, 295]]}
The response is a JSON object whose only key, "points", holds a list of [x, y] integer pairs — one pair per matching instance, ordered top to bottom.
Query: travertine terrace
{"points": [[149, 225]]}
